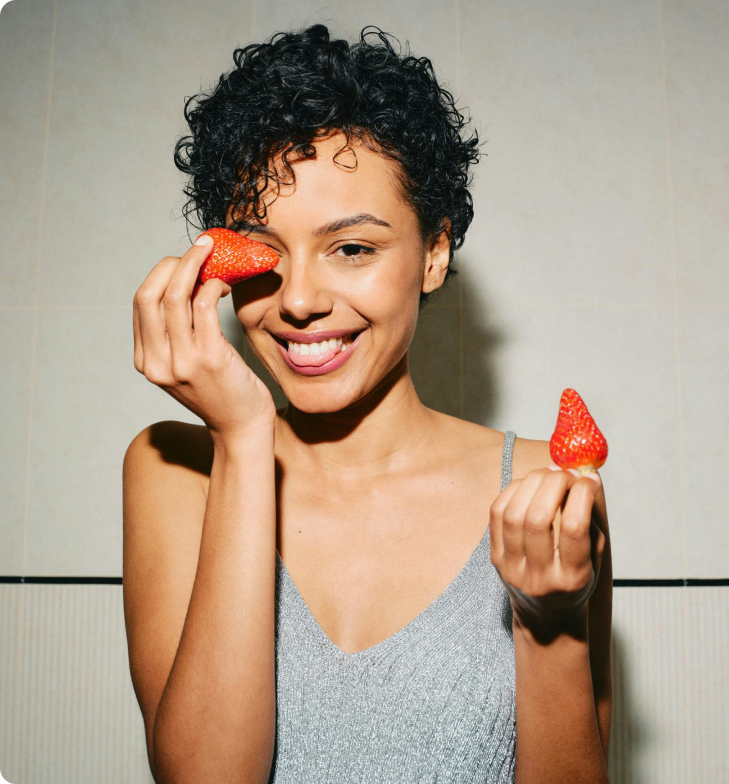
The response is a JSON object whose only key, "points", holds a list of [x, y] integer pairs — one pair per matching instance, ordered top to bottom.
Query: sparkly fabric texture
{"points": [[435, 703]]}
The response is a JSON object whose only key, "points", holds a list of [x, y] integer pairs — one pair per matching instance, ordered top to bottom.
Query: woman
{"points": [[353, 587]]}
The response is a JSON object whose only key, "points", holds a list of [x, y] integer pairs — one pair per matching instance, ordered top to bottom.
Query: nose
{"points": [[303, 292]]}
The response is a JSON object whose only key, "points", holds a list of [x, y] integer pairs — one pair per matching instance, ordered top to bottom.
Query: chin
{"points": [[318, 401]]}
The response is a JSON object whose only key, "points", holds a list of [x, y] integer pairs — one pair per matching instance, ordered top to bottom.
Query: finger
{"points": [[178, 296], [150, 314], [206, 321], [515, 512], [574, 534], [496, 536], [539, 541], [598, 547]]}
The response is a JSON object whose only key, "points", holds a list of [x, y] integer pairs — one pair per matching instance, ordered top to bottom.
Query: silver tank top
{"points": [[435, 703]]}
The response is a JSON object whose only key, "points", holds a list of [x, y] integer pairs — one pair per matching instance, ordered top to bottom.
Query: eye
{"points": [[361, 250]]}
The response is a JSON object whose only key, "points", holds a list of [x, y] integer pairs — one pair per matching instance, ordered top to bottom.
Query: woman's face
{"points": [[361, 277]]}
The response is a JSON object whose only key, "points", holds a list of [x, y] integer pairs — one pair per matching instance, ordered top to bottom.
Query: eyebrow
{"points": [[329, 228]]}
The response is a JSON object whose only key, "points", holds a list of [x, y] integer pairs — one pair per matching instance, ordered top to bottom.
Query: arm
{"points": [[198, 597], [564, 691]]}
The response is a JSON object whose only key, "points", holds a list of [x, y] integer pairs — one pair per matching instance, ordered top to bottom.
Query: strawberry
{"points": [[235, 258], [576, 441]]}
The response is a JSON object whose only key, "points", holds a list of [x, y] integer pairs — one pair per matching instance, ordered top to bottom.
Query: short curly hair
{"points": [[300, 86]]}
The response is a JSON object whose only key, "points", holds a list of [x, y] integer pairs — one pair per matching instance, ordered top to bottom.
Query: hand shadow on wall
{"points": [[463, 387], [629, 732]]}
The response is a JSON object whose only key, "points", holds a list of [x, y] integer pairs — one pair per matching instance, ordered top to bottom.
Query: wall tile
{"points": [[697, 64], [25, 70], [123, 71], [572, 203], [16, 348], [622, 362], [89, 403], [705, 436], [706, 681], [11, 703], [80, 720], [648, 742]]}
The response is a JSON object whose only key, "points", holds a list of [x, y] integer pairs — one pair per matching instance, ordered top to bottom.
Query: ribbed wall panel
{"points": [[707, 676], [68, 714], [78, 721], [648, 741]]}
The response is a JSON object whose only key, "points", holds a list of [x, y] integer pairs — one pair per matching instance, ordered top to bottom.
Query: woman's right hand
{"points": [[178, 345]]}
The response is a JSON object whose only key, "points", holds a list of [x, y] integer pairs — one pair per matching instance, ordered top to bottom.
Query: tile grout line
{"points": [[679, 387], [20, 643]]}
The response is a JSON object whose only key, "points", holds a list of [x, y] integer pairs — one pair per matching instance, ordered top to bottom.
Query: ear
{"points": [[437, 257]]}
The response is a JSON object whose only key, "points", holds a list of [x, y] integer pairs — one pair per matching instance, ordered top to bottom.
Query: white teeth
{"points": [[332, 344]]}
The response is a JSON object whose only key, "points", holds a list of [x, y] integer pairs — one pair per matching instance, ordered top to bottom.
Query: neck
{"points": [[378, 434]]}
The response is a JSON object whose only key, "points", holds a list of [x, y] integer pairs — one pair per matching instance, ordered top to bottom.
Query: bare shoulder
{"points": [[181, 444], [528, 455]]}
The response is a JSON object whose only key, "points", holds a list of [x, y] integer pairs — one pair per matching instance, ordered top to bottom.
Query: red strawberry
{"points": [[235, 258], [576, 441]]}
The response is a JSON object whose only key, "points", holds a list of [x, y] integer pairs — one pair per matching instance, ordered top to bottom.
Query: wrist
{"points": [[254, 435], [545, 629]]}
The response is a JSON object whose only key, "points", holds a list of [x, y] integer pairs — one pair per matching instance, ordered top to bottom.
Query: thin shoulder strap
{"points": [[509, 437]]}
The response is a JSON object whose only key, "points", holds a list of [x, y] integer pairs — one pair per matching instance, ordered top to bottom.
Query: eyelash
{"points": [[364, 250]]}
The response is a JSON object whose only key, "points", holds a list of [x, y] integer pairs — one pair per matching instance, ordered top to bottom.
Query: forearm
{"points": [[216, 718], [557, 735]]}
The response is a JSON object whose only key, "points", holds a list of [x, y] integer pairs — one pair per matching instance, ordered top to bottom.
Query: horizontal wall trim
{"points": [[679, 582]]}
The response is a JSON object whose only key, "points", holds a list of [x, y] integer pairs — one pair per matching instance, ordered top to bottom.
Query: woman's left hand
{"points": [[547, 547]]}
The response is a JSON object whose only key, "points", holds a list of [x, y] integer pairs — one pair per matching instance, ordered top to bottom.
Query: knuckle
{"points": [[144, 296], [173, 297], [181, 370], [157, 376], [512, 519], [538, 521], [573, 528], [576, 581]]}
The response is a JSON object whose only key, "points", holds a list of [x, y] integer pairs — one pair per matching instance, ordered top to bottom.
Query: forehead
{"points": [[336, 182]]}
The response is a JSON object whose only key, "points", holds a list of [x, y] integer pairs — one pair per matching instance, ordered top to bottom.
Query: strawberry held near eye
{"points": [[235, 258], [577, 442]]}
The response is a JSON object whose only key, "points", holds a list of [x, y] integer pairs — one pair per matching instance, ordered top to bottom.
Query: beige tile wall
{"points": [[597, 259]]}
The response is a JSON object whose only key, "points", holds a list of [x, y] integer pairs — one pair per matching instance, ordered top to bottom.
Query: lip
{"points": [[315, 337], [337, 361]]}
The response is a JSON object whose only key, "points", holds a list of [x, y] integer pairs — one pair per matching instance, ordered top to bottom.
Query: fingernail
{"points": [[203, 239], [554, 467], [574, 471]]}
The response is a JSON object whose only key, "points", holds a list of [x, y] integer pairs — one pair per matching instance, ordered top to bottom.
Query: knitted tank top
{"points": [[435, 703]]}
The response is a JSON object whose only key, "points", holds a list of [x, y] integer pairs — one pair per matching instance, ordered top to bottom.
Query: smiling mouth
{"points": [[351, 337]]}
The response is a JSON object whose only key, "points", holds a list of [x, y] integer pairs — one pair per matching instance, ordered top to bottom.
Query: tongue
{"points": [[313, 360]]}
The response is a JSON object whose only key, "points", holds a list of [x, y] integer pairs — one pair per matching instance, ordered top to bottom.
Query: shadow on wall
{"points": [[433, 357], [629, 733]]}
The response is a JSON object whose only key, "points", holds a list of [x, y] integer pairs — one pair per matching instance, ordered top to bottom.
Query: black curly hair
{"points": [[300, 86]]}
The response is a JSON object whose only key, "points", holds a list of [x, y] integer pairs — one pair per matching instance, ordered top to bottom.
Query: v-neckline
{"points": [[399, 633]]}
